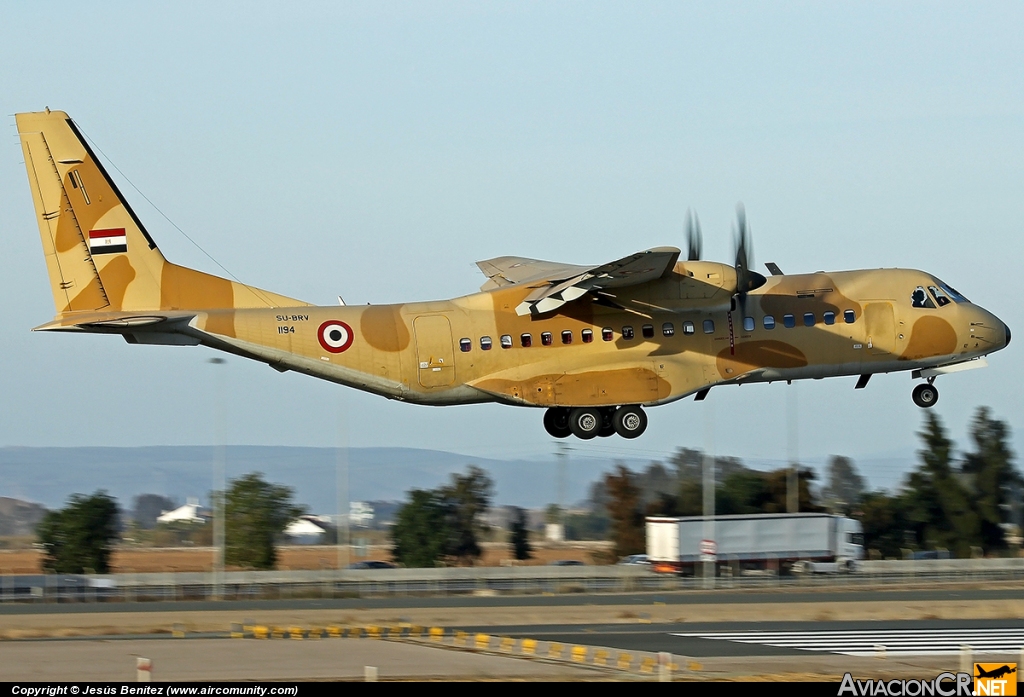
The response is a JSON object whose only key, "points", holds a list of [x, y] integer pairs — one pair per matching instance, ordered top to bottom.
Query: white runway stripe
{"points": [[904, 642]]}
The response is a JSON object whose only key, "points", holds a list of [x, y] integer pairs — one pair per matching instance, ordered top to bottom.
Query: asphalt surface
{"points": [[681, 598], [921, 637]]}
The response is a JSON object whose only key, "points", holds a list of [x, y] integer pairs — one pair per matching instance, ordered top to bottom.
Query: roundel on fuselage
{"points": [[334, 336]]}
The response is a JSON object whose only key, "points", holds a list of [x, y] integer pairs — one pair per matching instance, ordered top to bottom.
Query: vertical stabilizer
{"points": [[98, 254]]}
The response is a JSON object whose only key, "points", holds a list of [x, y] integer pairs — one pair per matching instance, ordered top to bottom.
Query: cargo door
{"points": [[879, 328], [434, 350]]}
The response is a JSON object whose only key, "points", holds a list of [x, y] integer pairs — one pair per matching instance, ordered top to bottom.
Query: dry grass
{"points": [[159, 560]]}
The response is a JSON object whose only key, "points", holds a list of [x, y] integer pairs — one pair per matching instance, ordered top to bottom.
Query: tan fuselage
{"points": [[413, 352]]}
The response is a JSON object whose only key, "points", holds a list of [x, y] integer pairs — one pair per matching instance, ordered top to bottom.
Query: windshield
{"points": [[951, 292]]}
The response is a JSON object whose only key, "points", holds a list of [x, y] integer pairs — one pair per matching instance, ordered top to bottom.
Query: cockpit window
{"points": [[952, 292], [940, 297], [920, 299]]}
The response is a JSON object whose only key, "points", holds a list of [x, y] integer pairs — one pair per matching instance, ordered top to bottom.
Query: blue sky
{"points": [[376, 150]]}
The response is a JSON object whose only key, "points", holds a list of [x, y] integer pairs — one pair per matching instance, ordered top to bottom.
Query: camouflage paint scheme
{"points": [[411, 351]]}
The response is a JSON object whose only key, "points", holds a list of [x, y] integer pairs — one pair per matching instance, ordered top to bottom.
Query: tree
{"points": [[993, 478], [845, 486], [469, 498], [939, 505], [149, 507], [256, 514], [883, 518], [443, 524], [628, 532], [421, 534], [519, 536], [79, 537]]}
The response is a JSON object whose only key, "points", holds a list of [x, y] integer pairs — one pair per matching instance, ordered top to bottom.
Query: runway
{"points": [[863, 639]]}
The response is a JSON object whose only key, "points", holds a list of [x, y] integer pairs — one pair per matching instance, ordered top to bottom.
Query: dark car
{"points": [[567, 562], [372, 565]]}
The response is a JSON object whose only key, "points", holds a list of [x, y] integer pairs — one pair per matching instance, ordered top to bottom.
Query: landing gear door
{"points": [[879, 327], [434, 351]]}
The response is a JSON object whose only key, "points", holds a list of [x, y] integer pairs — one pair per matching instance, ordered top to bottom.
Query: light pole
{"points": [[341, 475], [792, 479], [708, 489], [217, 499]]}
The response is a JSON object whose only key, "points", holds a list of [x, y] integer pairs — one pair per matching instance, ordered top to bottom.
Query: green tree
{"points": [[992, 475], [845, 486], [468, 498], [939, 505], [256, 514], [627, 520], [884, 520], [444, 523], [421, 534], [80, 536], [519, 536]]}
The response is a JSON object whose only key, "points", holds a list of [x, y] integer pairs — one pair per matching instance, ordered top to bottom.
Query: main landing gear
{"points": [[926, 395], [590, 422]]}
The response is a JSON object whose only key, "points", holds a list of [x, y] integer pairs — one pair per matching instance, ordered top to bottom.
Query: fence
{"points": [[528, 580]]}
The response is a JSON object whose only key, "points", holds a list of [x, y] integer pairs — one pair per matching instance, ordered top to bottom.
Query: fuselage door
{"points": [[879, 327], [434, 350]]}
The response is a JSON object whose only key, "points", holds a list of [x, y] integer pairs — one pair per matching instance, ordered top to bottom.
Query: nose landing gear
{"points": [[926, 395], [589, 422]]}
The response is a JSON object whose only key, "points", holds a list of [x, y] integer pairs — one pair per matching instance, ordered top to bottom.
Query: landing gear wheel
{"points": [[926, 395], [556, 422], [585, 422], [630, 422], [607, 423]]}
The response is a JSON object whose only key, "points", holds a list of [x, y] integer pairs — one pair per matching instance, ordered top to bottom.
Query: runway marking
{"points": [[899, 642]]}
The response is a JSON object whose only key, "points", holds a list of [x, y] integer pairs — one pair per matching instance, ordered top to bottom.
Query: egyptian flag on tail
{"points": [[108, 241]]}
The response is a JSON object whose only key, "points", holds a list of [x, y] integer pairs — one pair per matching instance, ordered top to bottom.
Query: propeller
{"points": [[694, 240], [746, 279]]}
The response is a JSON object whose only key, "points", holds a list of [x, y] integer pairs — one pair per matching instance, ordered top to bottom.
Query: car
{"points": [[635, 559], [568, 562], [372, 565]]}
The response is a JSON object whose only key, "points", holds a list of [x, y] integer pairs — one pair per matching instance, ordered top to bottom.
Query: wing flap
{"points": [[632, 270]]}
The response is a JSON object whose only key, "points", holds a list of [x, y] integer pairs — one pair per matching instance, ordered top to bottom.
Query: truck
{"points": [[771, 542]]}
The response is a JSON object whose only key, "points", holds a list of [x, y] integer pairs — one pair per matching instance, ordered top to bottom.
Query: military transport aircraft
{"points": [[593, 345]]}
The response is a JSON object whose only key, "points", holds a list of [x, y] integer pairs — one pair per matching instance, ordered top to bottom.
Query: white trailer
{"points": [[801, 542]]}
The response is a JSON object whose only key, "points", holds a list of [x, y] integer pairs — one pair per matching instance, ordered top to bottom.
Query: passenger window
{"points": [[941, 298], [920, 299], [849, 316], [830, 317], [808, 319], [789, 321], [769, 322], [748, 324], [709, 326], [688, 328], [667, 329], [648, 330], [627, 332], [607, 334], [587, 335], [567, 337], [545, 338], [526, 340], [506, 341], [485, 343], [465, 345]]}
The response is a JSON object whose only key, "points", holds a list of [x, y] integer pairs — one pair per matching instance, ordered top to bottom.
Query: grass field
{"points": [[164, 559]]}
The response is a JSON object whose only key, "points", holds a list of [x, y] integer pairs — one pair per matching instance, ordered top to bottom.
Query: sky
{"points": [[377, 150]]}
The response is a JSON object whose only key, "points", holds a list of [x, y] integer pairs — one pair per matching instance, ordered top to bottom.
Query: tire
{"points": [[926, 395], [556, 422], [585, 422], [630, 422], [607, 423]]}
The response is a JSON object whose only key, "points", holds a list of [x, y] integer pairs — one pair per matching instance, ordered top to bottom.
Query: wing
{"points": [[510, 271], [567, 283]]}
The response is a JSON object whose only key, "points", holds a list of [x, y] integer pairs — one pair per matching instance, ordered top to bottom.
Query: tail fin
{"points": [[98, 254]]}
